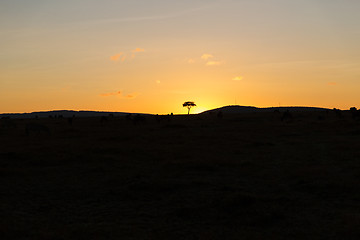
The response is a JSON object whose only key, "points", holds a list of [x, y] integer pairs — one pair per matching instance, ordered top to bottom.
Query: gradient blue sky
{"points": [[151, 56]]}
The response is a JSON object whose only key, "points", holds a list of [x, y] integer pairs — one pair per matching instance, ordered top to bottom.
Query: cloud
{"points": [[136, 50], [124, 56], [206, 56], [117, 57], [190, 61], [214, 63], [238, 78], [332, 83], [111, 94], [120, 95], [131, 95]]}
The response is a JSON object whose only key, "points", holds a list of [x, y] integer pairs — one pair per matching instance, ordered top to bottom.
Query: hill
{"points": [[233, 109], [248, 109], [61, 113]]}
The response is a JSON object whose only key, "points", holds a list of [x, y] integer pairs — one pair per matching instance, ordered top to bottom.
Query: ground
{"points": [[239, 176]]}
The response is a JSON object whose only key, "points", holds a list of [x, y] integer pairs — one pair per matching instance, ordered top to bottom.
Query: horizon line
{"points": [[105, 111]]}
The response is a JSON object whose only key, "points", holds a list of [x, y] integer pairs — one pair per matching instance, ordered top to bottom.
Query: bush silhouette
{"points": [[355, 113]]}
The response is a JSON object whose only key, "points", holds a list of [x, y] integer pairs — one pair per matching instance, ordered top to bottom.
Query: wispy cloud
{"points": [[136, 50], [124, 56], [206, 56], [117, 57], [207, 59], [214, 63], [238, 78], [332, 83], [111, 94], [120, 95], [131, 95]]}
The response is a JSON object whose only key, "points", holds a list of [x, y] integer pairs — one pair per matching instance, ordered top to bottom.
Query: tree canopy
{"points": [[189, 105]]}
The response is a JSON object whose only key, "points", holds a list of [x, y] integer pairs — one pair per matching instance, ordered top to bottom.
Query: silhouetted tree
{"points": [[189, 105], [338, 112], [355, 113]]}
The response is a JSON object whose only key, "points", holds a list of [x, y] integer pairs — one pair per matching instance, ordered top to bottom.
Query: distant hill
{"points": [[226, 109], [249, 109], [62, 113]]}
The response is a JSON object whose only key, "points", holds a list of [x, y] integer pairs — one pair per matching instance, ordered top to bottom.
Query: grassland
{"points": [[245, 176]]}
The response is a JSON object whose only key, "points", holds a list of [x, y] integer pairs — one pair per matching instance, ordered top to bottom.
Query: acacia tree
{"points": [[189, 105]]}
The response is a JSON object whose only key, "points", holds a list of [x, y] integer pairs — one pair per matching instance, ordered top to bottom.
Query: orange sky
{"points": [[151, 56]]}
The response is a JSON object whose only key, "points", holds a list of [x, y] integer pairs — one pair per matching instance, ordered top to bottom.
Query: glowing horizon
{"points": [[151, 56]]}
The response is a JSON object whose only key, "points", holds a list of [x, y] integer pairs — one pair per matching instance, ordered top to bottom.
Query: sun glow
{"points": [[128, 62], [197, 110]]}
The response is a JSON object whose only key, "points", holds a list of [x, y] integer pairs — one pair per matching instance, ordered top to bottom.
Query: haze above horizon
{"points": [[150, 56]]}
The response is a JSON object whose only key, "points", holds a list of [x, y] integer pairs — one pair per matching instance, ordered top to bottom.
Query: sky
{"points": [[150, 56]]}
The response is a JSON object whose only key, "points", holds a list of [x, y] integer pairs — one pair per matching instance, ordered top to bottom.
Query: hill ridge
{"points": [[225, 109], [247, 109]]}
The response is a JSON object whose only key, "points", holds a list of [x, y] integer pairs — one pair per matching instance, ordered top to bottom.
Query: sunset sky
{"points": [[150, 56]]}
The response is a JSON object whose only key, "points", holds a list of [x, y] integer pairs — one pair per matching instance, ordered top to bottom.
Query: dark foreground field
{"points": [[248, 176]]}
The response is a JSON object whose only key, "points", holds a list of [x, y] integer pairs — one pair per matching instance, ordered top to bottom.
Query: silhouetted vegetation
{"points": [[189, 105], [338, 113], [355, 113], [287, 116], [163, 118], [103, 119], [138, 119], [70, 120], [7, 123], [36, 128], [247, 176]]}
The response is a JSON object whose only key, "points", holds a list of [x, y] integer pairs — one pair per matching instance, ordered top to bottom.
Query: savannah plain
{"points": [[239, 176]]}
